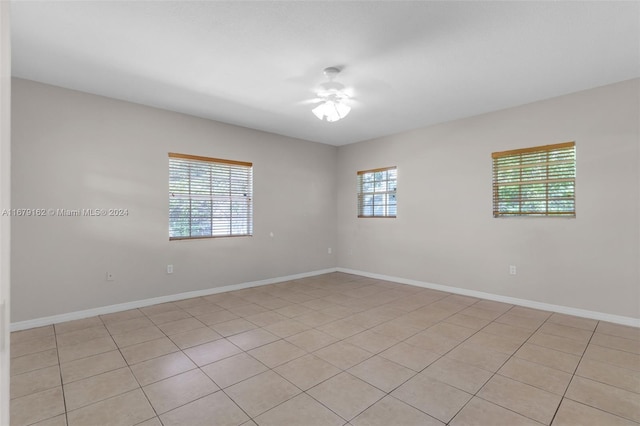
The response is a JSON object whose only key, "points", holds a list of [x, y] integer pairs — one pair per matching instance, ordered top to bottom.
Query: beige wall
{"points": [[74, 150], [5, 203], [445, 233]]}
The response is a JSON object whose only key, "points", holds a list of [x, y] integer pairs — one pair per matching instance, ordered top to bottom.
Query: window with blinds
{"points": [[538, 181], [377, 192], [209, 197]]}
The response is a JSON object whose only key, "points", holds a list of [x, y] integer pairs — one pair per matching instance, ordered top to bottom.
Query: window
{"points": [[537, 181], [377, 192], [209, 197]]}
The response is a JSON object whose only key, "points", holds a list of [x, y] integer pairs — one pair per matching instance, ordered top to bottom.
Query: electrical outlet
{"points": [[329, 250], [169, 269], [512, 269], [109, 276]]}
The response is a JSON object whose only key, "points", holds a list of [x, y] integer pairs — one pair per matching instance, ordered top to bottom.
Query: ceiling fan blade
{"points": [[310, 101]]}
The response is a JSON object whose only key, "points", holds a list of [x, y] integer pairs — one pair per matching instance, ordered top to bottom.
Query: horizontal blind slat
{"points": [[529, 182]]}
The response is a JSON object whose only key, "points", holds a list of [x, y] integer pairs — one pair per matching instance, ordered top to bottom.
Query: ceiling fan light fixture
{"points": [[332, 107], [331, 111]]}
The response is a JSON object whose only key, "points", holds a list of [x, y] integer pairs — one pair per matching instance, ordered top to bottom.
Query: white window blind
{"points": [[538, 181], [377, 192], [209, 197]]}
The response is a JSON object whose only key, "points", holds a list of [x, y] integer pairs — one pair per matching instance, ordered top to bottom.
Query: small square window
{"points": [[377, 192]]}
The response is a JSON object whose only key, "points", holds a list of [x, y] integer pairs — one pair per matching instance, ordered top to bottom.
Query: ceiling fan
{"points": [[332, 98]]}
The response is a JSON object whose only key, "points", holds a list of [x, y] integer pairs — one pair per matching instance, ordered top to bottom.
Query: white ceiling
{"points": [[409, 64]]}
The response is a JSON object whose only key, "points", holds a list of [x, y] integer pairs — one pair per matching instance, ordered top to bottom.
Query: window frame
{"points": [[242, 169], [542, 170], [386, 194]]}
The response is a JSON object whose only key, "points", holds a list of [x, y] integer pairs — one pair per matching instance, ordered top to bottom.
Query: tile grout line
{"points": [[401, 341], [311, 353], [126, 365], [197, 367], [419, 372], [574, 373], [95, 375], [135, 377], [62, 385], [475, 395]]}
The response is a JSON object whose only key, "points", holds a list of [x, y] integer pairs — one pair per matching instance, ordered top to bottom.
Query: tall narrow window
{"points": [[538, 181], [377, 192], [209, 197]]}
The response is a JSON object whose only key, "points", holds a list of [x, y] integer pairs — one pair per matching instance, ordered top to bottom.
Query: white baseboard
{"points": [[55, 319], [618, 319]]}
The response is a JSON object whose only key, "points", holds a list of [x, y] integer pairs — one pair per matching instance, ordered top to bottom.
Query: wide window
{"points": [[538, 181], [377, 192], [209, 197]]}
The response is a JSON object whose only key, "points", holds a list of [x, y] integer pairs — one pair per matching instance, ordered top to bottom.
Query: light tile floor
{"points": [[334, 349]]}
